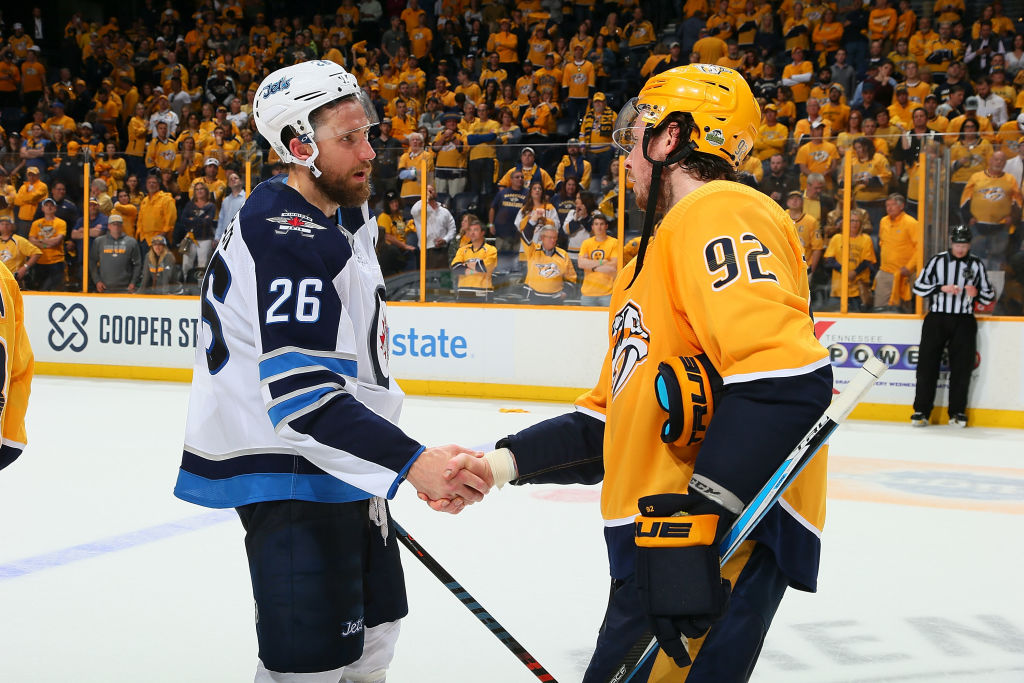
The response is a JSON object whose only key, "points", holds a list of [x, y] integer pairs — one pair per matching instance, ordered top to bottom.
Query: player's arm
{"points": [[458, 265]]}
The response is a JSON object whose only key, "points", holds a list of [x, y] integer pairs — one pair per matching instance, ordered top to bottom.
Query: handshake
{"points": [[448, 478]]}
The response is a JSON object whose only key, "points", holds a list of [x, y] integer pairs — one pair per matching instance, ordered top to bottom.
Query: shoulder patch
{"points": [[290, 221]]}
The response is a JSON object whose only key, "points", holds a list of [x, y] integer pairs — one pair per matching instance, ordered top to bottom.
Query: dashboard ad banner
{"points": [[113, 330], [500, 345], [998, 369]]}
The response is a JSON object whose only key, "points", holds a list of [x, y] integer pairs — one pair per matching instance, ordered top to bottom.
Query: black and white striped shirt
{"points": [[943, 269]]}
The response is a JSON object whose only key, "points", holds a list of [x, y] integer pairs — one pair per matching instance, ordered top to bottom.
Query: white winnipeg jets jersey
{"points": [[291, 393]]}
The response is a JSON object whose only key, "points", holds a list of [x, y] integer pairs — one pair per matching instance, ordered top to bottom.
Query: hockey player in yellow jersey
{"points": [[715, 309], [17, 368]]}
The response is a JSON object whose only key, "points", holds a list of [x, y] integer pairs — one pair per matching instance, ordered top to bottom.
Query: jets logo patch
{"points": [[295, 222], [632, 340]]}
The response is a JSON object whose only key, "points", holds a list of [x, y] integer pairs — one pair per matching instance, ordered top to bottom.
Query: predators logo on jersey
{"points": [[994, 194], [549, 270], [632, 341]]}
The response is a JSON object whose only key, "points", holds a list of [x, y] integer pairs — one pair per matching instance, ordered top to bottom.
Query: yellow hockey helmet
{"points": [[718, 98]]}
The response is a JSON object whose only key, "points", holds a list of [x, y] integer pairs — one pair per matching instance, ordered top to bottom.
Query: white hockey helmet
{"points": [[287, 97]]}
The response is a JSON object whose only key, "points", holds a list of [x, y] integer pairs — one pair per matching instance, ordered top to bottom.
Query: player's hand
{"points": [[905, 272], [474, 463], [433, 476], [678, 576]]}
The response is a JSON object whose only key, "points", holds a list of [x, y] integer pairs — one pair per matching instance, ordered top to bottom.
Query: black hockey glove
{"points": [[677, 567]]}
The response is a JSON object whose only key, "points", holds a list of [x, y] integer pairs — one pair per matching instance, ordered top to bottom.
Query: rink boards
{"points": [[501, 351]]}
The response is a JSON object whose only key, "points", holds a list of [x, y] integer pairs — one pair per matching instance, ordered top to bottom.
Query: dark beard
{"points": [[342, 192]]}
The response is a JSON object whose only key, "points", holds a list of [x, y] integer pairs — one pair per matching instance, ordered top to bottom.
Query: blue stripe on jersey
{"points": [[294, 359], [302, 380], [292, 405], [342, 422], [254, 463], [402, 472], [255, 488]]}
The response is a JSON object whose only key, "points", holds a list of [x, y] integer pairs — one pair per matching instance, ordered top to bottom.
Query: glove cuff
{"points": [[681, 531]]}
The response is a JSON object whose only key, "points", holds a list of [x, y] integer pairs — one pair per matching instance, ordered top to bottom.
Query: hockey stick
{"points": [[471, 604], [647, 647]]}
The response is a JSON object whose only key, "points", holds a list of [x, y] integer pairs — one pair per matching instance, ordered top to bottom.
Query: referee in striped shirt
{"points": [[955, 280]]}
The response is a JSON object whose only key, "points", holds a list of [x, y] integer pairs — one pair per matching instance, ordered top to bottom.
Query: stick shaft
{"points": [[471, 604]]}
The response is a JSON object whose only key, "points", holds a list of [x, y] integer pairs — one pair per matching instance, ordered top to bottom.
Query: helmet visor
{"points": [[363, 121], [626, 131], [622, 134]]}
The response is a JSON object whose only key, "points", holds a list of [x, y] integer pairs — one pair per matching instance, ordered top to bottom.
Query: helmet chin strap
{"points": [[310, 163], [653, 192]]}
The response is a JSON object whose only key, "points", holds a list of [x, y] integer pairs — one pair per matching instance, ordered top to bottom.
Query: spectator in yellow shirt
{"points": [[882, 22], [720, 24], [796, 30], [421, 39], [506, 44], [710, 48], [797, 75], [771, 135], [818, 155], [27, 199], [987, 204], [157, 214], [48, 234], [899, 248], [16, 252], [599, 261], [859, 268]]}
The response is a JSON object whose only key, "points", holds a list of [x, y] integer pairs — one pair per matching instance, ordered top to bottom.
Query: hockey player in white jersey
{"points": [[292, 414]]}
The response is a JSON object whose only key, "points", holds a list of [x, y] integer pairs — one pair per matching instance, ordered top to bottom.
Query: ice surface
{"points": [[105, 576]]}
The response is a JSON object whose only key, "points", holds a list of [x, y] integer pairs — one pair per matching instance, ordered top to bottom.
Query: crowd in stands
{"points": [[509, 108]]}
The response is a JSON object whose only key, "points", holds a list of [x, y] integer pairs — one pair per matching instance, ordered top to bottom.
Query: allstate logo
{"points": [[67, 327]]}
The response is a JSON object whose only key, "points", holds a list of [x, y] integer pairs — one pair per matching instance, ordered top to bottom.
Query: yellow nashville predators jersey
{"points": [[991, 197], [16, 251], [483, 260], [546, 273], [734, 290], [17, 368]]}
